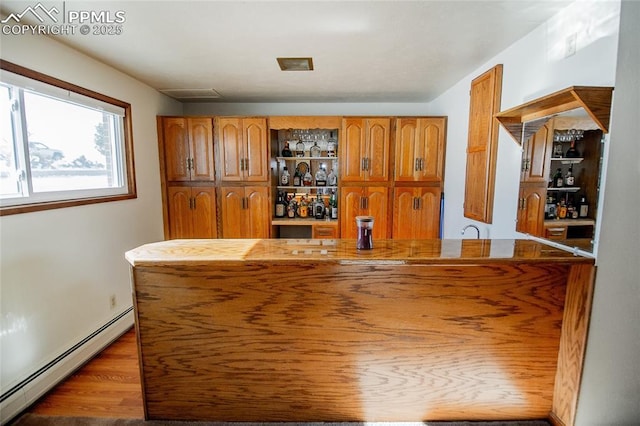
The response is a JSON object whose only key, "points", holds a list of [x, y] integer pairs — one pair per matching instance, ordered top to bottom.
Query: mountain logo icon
{"points": [[39, 11]]}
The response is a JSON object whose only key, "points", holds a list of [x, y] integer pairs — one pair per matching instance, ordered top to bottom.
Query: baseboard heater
{"points": [[72, 351]]}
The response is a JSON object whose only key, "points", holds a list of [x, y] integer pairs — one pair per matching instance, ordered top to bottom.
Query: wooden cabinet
{"points": [[482, 145], [188, 149], [243, 149], [364, 149], [419, 149], [536, 156], [363, 201], [531, 203], [192, 212], [246, 212], [416, 212], [325, 230]]}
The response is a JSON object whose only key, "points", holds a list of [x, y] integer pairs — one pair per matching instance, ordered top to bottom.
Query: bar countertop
{"points": [[192, 252]]}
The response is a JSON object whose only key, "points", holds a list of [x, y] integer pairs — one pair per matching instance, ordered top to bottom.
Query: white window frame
{"points": [[41, 84]]}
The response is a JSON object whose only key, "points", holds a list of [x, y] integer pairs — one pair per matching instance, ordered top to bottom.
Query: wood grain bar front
{"points": [[288, 330]]}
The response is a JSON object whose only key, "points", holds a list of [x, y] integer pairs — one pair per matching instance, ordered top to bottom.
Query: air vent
{"points": [[295, 64], [193, 94]]}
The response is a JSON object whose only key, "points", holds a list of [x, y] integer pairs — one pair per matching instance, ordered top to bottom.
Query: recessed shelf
{"points": [[306, 158], [565, 160], [565, 189]]}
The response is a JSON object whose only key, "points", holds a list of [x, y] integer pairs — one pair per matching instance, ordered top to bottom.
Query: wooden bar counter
{"points": [[315, 330]]}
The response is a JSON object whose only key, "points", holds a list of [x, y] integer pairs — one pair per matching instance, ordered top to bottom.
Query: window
{"points": [[61, 145]]}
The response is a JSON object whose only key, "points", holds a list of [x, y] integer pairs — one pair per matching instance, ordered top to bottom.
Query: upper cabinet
{"points": [[420, 145], [188, 149], [244, 149], [364, 149], [536, 156]]}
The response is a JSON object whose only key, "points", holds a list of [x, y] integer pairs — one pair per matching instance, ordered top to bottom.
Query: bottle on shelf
{"points": [[331, 145], [300, 149], [557, 150], [286, 151], [315, 151], [572, 152], [321, 176], [297, 178], [569, 178], [285, 179], [307, 179], [332, 179], [558, 180], [333, 204], [281, 206], [583, 207], [291, 208], [318, 209], [562, 210]]}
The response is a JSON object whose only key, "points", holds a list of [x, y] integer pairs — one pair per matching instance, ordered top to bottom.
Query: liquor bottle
{"points": [[331, 146], [300, 149], [286, 151], [314, 151], [572, 152], [321, 176], [286, 177], [297, 178], [307, 179], [332, 179], [569, 179], [558, 181], [333, 204], [281, 206], [583, 207], [291, 208], [318, 209], [562, 210]]}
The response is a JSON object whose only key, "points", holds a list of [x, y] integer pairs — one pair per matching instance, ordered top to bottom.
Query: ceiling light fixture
{"points": [[295, 64]]}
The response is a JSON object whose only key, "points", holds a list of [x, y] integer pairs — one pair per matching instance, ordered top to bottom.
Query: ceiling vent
{"points": [[295, 64], [191, 94]]}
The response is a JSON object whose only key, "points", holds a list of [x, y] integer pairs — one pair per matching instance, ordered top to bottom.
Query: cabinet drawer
{"points": [[325, 231], [555, 232]]}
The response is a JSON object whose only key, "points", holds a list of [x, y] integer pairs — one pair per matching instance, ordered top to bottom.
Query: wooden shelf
{"points": [[596, 101], [307, 158], [565, 160], [565, 189], [303, 222]]}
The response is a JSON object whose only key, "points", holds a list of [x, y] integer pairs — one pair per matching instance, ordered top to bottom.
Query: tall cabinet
{"points": [[243, 149], [188, 177], [418, 177]]}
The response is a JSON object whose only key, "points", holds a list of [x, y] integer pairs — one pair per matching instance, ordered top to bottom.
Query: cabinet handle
{"points": [[246, 164], [421, 164], [526, 164], [363, 166], [416, 166], [194, 203], [245, 203], [523, 203]]}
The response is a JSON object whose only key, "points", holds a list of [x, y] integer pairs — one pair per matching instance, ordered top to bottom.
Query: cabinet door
{"points": [[430, 147], [176, 148], [201, 148], [231, 149], [255, 149], [377, 149], [352, 150], [536, 156], [406, 164], [404, 205], [377, 206], [179, 207], [350, 207], [531, 209], [204, 212], [233, 212], [258, 212], [427, 223]]}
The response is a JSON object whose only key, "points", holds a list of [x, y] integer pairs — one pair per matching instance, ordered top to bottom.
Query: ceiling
{"points": [[363, 51]]}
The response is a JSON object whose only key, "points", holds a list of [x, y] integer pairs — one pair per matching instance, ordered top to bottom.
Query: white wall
{"points": [[533, 67], [221, 108], [60, 267], [610, 393]]}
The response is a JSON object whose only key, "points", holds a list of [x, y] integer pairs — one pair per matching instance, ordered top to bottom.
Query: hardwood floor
{"points": [[107, 386]]}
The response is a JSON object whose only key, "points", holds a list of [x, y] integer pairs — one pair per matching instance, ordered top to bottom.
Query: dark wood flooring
{"points": [[107, 386]]}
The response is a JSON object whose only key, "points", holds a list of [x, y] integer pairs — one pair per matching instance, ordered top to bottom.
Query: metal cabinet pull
{"points": [[422, 164], [416, 166]]}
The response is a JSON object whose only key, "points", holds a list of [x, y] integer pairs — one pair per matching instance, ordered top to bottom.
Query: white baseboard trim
{"points": [[21, 396]]}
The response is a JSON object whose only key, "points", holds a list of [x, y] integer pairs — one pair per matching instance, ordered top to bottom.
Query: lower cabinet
{"points": [[363, 201], [531, 203], [192, 212], [246, 212], [416, 212]]}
